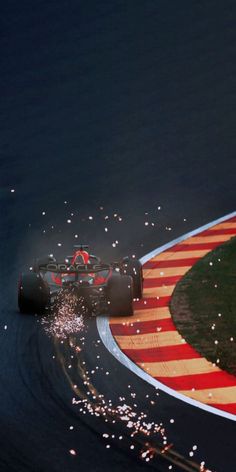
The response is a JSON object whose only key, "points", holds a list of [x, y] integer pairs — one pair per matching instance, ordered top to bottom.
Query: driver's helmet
{"points": [[80, 257]]}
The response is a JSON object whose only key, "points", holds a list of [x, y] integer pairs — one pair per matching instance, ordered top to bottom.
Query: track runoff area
{"points": [[148, 343]]}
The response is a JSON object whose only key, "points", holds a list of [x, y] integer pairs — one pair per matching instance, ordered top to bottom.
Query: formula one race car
{"points": [[105, 288]]}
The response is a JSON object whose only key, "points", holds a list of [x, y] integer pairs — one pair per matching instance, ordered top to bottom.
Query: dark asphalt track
{"points": [[123, 105]]}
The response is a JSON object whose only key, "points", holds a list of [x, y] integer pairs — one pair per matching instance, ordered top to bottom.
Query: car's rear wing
{"points": [[81, 247], [62, 268]]}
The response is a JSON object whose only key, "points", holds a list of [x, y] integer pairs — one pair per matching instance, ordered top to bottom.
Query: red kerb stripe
{"points": [[231, 220], [215, 232], [197, 246], [171, 263], [160, 281], [152, 302], [143, 327], [162, 354], [199, 381], [229, 407]]}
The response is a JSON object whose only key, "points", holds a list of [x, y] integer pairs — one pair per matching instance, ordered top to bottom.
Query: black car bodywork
{"points": [[105, 288]]}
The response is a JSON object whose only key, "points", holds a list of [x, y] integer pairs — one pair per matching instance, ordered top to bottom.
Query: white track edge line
{"points": [[163, 248], [111, 345]]}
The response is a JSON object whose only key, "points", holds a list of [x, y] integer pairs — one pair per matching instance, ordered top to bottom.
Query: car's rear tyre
{"points": [[42, 261], [133, 268], [33, 293], [120, 295]]}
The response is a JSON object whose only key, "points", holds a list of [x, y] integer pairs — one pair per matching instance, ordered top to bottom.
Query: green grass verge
{"points": [[203, 306]]}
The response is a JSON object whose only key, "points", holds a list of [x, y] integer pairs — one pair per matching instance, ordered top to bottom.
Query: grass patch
{"points": [[203, 306]]}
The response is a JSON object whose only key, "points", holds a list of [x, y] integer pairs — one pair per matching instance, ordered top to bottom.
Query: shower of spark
{"points": [[66, 317], [140, 430]]}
